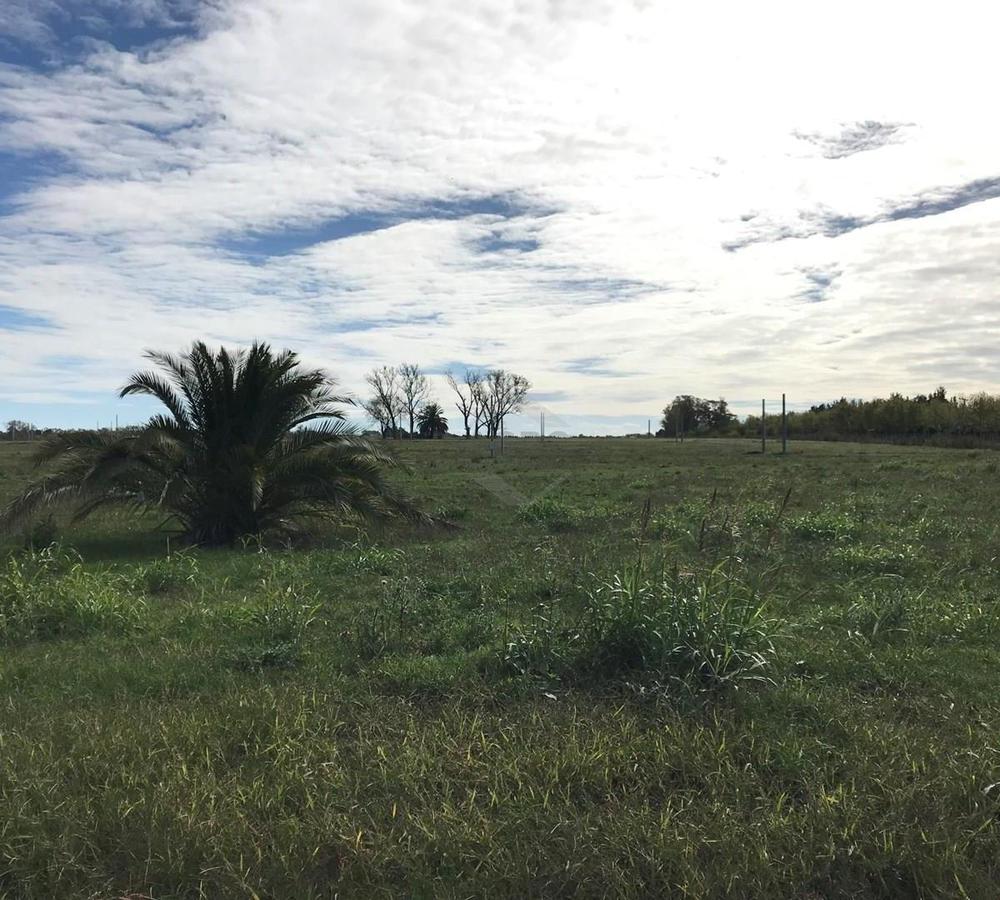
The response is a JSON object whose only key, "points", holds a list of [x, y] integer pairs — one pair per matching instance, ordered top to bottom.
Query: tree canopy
{"points": [[687, 414]]}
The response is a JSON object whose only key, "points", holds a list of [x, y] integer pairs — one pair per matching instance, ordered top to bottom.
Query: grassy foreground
{"points": [[421, 715]]}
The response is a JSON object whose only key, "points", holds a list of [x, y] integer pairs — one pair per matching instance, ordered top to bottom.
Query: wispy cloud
{"points": [[856, 138], [826, 222], [819, 283]]}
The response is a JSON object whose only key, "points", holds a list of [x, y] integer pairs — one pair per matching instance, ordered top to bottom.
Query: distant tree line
{"points": [[400, 402], [932, 418], [17, 430]]}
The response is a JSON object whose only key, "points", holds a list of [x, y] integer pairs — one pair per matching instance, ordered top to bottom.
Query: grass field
{"points": [[463, 713]]}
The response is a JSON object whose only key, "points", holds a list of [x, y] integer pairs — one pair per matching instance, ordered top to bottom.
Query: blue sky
{"points": [[622, 201]]}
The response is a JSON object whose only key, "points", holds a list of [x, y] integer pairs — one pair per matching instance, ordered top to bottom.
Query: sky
{"points": [[623, 201]]}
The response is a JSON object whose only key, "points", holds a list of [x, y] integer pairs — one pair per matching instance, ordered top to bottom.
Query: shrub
{"points": [[274, 425], [48, 594]]}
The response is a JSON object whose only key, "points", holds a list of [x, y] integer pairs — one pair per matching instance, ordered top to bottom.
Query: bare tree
{"points": [[474, 382], [415, 388], [503, 393], [470, 398], [464, 403], [386, 404]]}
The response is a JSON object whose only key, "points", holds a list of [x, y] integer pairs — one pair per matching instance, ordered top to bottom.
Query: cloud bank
{"points": [[620, 200]]}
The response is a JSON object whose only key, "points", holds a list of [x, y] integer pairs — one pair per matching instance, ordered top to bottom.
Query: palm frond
{"points": [[151, 384]]}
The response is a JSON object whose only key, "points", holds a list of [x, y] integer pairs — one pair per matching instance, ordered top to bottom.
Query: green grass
{"points": [[520, 707]]}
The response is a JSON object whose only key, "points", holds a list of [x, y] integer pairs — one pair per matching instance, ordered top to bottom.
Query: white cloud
{"points": [[640, 139]]}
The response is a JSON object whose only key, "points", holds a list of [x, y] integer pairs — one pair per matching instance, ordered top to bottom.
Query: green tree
{"points": [[688, 415], [251, 443]]}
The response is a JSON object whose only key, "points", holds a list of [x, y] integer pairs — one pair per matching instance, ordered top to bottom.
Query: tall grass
{"points": [[47, 594], [712, 628], [708, 629], [350, 719]]}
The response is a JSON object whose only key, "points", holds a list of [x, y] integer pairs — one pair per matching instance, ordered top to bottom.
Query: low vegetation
{"points": [[933, 418], [251, 445], [48, 594], [665, 669]]}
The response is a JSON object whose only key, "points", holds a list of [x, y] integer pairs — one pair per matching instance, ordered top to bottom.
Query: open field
{"points": [[408, 715]]}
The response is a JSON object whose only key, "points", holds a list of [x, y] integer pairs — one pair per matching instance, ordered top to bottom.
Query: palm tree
{"points": [[431, 422], [251, 444]]}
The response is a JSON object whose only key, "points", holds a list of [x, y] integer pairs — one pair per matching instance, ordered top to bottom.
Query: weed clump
{"points": [[550, 513], [827, 525], [874, 558], [166, 575], [48, 594], [410, 616], [876, 618], [712, 628], [708, 630], [271, 632]]}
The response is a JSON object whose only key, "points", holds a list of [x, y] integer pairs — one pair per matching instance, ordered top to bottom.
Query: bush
{"points": [[48, 594]]}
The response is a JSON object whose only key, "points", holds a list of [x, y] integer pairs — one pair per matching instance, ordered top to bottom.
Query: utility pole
{"points": [[541, 424], [763, 426], [784, 426], [501, 435]]}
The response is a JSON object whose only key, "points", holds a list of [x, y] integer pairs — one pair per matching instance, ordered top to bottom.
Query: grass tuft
{"points": [[550, 513], [709, 630]]}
